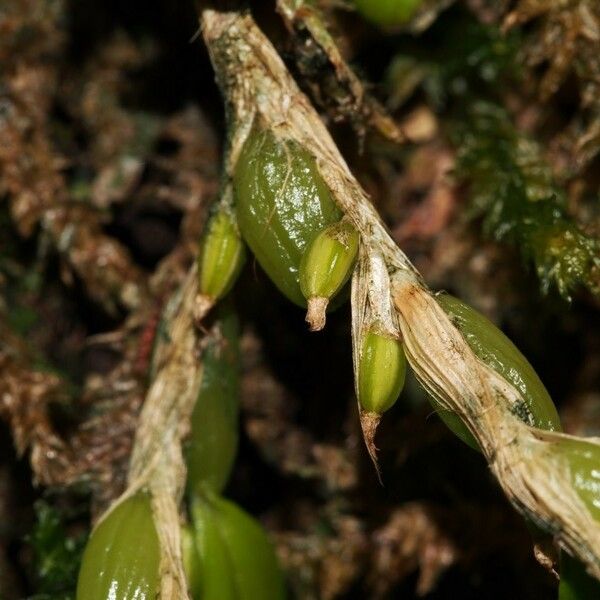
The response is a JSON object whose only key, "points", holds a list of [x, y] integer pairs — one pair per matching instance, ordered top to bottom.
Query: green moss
{"points": [[454, 62], [513, 191], [56, 556]]}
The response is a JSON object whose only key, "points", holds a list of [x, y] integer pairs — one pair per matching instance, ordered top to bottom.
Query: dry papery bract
{"points": [[259, 91]]}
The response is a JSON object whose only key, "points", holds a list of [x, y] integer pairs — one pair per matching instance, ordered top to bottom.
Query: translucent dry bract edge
{"points": [[388, 13], [220, 257]]}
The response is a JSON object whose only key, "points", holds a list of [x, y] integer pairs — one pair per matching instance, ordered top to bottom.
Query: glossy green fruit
{"points": [[387, 13], [282, 203], [221, 255], [325, 267], [495, 349], [381, 372], [212, 444], [584, 463], [122, 557], [238, 560]]}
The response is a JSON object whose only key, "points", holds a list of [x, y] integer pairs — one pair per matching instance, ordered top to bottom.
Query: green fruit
{"points": [[387, 13], [282, 203], [221, 256], [325, 267], [491, 346], [381, 372], [212, 444], [584, 463], [122, 557], [238, 560]]}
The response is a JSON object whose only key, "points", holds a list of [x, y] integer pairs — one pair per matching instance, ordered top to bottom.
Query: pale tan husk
{"points": [[258, 89], [157, 464]]}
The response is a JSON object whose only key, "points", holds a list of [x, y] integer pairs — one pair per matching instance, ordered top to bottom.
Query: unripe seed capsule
{"points": [[388, 13], [281, 204], [220, 258], [325, 267], [491, 346], [381, 372], [212, 443], [122, 557], [238, 560]]}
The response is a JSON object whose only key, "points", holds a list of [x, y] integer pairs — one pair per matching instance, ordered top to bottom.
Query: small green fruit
{"points": [[387, 13], [221, 256], [325, 267], [381, 372], [212, 445], [122, 557], [238, 560]]}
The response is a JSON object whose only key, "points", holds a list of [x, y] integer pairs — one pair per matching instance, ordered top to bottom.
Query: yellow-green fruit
{"points": [[388, 13], [282, 203], [221, 255], [325, 267], [491, 346], [381, 372], [212, 444], [122, 557], [238, 560]]}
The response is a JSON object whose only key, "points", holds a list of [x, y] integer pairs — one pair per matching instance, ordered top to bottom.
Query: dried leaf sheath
{"points": [[256, 85], [157, 462], [534, 479]]}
